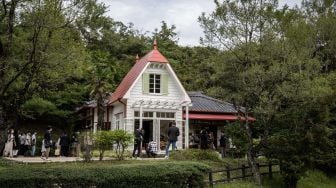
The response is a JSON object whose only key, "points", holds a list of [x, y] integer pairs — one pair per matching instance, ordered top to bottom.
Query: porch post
{"points": [[140, 125], [186, 127]]}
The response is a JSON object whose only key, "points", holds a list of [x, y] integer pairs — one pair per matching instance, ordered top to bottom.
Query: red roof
{"points": [[126, 83], [216, 117]]}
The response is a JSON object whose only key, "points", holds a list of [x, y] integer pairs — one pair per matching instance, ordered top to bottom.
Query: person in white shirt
{"points": [[33, 144]]}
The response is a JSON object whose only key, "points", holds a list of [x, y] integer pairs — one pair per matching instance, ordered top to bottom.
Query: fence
{"points": [[245, 173]]}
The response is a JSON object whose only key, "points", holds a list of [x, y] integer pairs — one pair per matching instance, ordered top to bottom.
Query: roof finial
{"points": [[155, 44], [137, 58]]}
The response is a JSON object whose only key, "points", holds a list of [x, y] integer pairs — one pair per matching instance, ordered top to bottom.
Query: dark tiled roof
{"points": [[203, 103]]}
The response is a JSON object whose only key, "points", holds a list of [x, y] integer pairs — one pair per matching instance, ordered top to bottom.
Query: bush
{"points": [[195, 155], [158, 174], [315, 178]]}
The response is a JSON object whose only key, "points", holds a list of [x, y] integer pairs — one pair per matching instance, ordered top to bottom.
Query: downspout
{"points": [[125, 109]]}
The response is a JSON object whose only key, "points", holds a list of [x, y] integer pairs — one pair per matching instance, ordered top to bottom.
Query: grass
{"points": [[312, 179]]}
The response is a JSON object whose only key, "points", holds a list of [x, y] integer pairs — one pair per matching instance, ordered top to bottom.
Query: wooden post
{"points": [[270, 170], [243, 171], [228, 173], [210, 179]]}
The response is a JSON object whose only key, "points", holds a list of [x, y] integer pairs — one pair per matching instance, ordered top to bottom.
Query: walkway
{"points": [[64, 159]]}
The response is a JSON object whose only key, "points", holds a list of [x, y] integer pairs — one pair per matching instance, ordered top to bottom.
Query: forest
{"points": [[279, 63]]}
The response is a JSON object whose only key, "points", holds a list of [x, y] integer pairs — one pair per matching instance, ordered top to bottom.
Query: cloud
{"points": [[146, 15]]}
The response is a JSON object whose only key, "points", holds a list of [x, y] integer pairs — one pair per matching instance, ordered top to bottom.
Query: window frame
{"points": [[154, 83]]}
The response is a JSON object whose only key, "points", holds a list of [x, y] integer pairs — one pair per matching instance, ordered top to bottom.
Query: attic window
{"points": [[154, 83]]}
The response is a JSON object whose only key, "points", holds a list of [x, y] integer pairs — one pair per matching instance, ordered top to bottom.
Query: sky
{"points": [[146, 15]]}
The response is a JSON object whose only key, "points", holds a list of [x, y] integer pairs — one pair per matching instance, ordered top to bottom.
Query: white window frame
{"points": [[154, 83]]}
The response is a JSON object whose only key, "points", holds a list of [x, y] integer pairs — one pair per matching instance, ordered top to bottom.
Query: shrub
{"points": [[121, 139], [103, 141], [195, 155], [158, 174]]}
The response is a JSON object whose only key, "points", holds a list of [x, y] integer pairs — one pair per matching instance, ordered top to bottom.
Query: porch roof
{"points": [[225, 117]]}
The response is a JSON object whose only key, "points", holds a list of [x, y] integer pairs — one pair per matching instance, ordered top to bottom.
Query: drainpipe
{"points": [[125, 110]]}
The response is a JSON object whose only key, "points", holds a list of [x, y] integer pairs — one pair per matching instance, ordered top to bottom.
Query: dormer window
{"points": [[154, 83]]}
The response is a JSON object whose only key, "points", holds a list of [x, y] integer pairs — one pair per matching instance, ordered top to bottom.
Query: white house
{"points": [[150, 96]]}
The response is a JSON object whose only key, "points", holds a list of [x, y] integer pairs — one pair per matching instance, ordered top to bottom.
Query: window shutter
{"points": [[145, 83], [164, 84]]}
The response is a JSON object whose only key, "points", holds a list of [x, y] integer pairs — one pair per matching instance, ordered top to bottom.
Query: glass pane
{"points": [[151, 76], [157, 90], [136, 114], [150, 114], [163, 115]]}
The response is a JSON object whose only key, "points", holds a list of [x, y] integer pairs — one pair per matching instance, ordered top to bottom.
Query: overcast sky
{"points": [[146, 15]]}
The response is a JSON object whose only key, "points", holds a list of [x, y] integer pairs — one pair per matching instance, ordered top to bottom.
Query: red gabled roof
{"points": [[126, 83]]}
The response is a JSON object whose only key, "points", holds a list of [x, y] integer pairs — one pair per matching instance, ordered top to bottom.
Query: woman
{"points": [[9, 144]]}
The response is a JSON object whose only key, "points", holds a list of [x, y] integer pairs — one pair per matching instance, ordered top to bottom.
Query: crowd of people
{"points": [[205, 140], [24, 144]]}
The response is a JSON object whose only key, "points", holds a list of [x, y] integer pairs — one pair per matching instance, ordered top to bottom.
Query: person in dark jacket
{"points": [[173, 133], [138, 137], [204, 139], [47, 142], [65, 143], [222, 144]]}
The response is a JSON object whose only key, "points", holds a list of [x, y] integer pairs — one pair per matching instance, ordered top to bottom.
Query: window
{"points": [[154, 83], [165, 114], [118, 120]]}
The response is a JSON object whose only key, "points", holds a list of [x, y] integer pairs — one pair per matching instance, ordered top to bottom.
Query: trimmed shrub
{"points": [[194, 155], [167, 174]]}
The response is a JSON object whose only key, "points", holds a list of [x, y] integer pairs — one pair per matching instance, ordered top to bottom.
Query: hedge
{"points": [[194, 155], [163, 174]]}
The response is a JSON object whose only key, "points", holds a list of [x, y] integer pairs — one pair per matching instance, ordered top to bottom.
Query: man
{"points": [[173, 133], [138, 135], [47, 142], [33, 143], [65, 143], [222, 144], [152, 149]]}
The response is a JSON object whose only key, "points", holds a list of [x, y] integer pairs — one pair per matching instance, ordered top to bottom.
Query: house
{"points": [[150, 96]]}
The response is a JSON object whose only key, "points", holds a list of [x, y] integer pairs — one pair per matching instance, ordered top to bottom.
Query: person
{"points": [[173, 133], [138, 137], [204, 139], [192, 140], [211, 141], [47, 142], [65, 143], [74, 143], [27, 144], [33, 144], [222, 144], [58, 147], [152, 149], [22, 150], [8, 151]]}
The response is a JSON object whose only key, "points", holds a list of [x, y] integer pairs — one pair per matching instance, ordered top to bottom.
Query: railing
{"points": [[245, 172]]}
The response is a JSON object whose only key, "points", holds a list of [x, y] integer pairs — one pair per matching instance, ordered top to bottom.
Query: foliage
{"points": [[117, 139], [121, 139], [103, 141], [194, 155], [167, 174], [315, 178]]}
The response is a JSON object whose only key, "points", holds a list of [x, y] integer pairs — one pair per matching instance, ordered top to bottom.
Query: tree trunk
{"points": [[251, 154], [291, 181]]}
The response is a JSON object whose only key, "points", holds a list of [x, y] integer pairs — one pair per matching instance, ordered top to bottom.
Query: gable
{"points": [[136, 72], [171, 90]]}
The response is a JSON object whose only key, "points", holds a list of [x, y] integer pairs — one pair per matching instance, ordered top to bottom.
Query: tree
{"points": [[242, 28]]}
